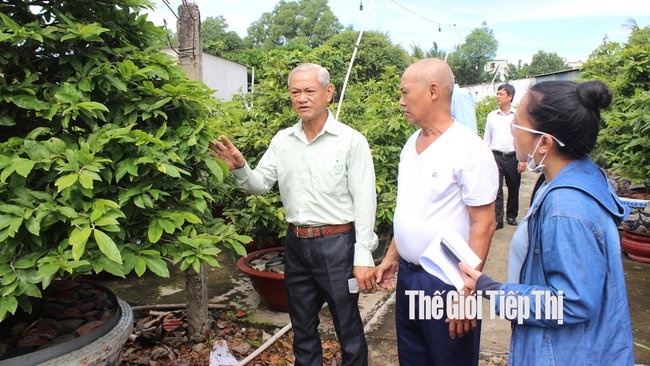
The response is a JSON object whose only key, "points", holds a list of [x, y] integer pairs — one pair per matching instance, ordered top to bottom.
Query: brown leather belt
{"points": [[306, 232]]}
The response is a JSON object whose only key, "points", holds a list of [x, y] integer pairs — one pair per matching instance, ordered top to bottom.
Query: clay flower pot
{"points": [[636, 230], [636, 247], [270, 286], [48, 341]]}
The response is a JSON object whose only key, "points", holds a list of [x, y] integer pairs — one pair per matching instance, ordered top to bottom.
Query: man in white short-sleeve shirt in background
{"points": [[499, 137], [447, 178]]}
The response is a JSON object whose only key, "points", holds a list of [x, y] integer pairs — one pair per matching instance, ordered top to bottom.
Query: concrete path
{"points": [[495, 335]]}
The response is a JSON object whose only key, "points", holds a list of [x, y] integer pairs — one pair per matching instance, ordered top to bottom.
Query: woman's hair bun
{"points": [[594, 95]]}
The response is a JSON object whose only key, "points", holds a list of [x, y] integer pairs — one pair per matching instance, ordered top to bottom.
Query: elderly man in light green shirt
{"points": [[326, 178]]}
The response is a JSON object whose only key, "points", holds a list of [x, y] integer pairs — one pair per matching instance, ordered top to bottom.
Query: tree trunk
{"points": [[190, 59], [198, 318]]}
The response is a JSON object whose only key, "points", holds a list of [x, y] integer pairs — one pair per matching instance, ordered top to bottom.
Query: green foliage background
{"points": [[624, 140], [103, 149]]}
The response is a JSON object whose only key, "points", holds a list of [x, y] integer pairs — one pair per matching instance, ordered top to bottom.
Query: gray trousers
{"points": [[317, 270]]}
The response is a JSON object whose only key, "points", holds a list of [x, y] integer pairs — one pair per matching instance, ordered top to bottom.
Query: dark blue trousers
{"points": [[508, 171], [317, 270], [427, 342]]}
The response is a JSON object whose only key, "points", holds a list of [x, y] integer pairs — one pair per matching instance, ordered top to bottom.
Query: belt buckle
{"points": [[310, 232]]}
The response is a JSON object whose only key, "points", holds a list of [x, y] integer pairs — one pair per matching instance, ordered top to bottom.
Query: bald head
{"points": [[433, 70]]}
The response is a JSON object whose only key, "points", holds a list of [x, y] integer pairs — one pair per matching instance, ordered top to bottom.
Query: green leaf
{"points": [[9, 23], [119, 84], [29, 102], [160, 103], [92, 106], [7, 120], [23, 166], [125, 166], [214, 169], [169, 170], [6, 173], [66, 181], [86, 181], [98, 211], [68, 212], [192, 218], [106, 221], [33, 225], [167, 225], [155, 231], [79, 236], [78, 240], [107, 246], [23, 263], [140, 266], [157, 266], [197, 266], [112, 267], [47, 270], [9, 288], [30, 289], [8, 304]]}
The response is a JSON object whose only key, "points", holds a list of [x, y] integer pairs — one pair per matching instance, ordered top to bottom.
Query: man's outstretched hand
{"points": [[228, 153]]}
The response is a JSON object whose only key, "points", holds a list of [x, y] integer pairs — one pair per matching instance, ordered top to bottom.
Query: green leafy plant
{"points": [[483, 108], [373, 109], [624, 140], [103, 150], [260, 217]]}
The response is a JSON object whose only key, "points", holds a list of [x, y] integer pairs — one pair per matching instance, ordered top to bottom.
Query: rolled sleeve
{"points": [[363, 253]]}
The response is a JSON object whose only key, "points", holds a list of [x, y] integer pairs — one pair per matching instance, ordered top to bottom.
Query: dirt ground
{"points": [[229, 286]]}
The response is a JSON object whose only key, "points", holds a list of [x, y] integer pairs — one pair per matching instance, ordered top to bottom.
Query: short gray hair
{"points": [[323, 74]]}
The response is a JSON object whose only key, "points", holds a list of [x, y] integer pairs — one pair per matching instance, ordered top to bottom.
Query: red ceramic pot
{"points": [[255, 245], [636, 247], [270, 286]]}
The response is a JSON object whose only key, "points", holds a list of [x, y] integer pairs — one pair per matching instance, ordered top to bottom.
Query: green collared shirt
{"points": [[328, 181]]}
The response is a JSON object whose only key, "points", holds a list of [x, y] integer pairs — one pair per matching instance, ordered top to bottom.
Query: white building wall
{"points": [[225, 76], [485, 90]]}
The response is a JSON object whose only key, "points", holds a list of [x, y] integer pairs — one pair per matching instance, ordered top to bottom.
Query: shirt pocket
{"points": [[330, 175], [439, 184]]}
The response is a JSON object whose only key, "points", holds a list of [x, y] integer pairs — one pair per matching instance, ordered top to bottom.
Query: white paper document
{"points": [[439, 262]]}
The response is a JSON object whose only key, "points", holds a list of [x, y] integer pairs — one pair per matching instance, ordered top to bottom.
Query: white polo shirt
{"points": [[435, 187]]}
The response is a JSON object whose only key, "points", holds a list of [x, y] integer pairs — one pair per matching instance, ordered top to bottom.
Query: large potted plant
{"points": [[623, 140], [103, 150], [260, 217]]}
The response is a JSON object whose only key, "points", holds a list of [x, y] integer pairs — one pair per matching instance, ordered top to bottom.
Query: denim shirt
{"points": [[574, 248]]}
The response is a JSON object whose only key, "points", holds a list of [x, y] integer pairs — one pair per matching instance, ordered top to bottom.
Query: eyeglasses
{"points": [[513, 127]]}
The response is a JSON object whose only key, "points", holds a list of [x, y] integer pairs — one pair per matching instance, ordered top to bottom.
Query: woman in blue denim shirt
{"points": [[569, 302]]}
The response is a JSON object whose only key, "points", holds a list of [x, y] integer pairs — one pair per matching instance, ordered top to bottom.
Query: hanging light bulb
{"points": [[360, 5], [439, 30]]}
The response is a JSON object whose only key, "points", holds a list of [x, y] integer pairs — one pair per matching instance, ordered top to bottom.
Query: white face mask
{"points": [[530, 160]]}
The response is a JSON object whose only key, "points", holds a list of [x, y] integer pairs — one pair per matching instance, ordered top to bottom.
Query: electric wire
{"points": [[428, 20]]}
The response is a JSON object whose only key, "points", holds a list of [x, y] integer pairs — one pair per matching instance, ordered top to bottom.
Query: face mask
{"points": [[530, 160]]}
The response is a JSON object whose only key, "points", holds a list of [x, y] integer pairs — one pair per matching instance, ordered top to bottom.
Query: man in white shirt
{"points": [[499, 138], [326, 178], [447, 178]]}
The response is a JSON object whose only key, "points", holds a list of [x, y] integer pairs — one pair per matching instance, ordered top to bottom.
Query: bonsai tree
{"points": [[104, 162]]}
